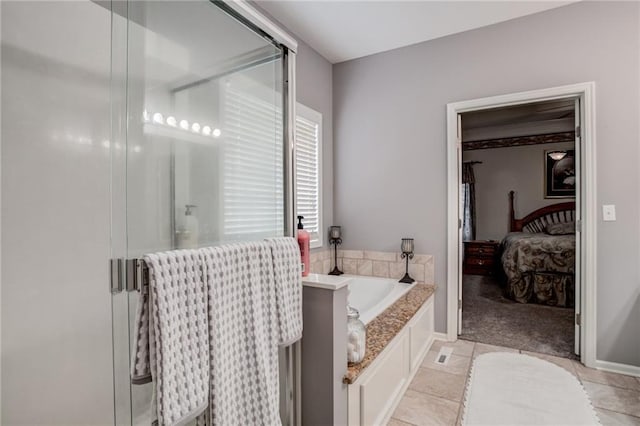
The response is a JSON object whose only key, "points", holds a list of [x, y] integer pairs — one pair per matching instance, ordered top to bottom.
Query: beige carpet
{"points": [[489, 317], [516, 389]]}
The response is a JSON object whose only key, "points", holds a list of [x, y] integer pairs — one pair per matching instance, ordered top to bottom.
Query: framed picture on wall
{"points": [[559, 174]]}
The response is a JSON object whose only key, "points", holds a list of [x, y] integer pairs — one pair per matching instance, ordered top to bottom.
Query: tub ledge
{"points": [[382, 329]]}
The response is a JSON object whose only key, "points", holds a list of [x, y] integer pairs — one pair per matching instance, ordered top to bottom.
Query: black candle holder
{"points": [[335, 238], [407, 253]]}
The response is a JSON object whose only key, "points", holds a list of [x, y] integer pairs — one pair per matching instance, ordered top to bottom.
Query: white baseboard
{"points": [[440, 336], [614, 367]]}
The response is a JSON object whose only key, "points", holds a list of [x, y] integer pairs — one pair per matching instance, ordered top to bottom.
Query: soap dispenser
{"points": [[191, 226], [303, 241]]}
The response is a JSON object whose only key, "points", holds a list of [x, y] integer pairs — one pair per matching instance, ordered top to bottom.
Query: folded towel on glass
{"points": [[287, 271], [252, 296], [243, 334], [172, 341]]}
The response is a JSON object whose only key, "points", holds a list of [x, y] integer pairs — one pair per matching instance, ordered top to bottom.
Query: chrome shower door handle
{"points": [[116, 275]]}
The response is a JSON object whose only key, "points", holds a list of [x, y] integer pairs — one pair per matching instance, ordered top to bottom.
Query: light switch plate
{"points": [[608, 212]]}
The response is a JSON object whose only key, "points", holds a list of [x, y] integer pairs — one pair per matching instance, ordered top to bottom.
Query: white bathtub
{"points": [[371, 295]]}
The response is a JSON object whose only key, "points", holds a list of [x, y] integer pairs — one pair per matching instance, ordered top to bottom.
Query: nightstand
{"points": [[481, 257]]}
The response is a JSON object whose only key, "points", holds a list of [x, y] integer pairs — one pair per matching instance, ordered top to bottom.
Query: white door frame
{"points": [[587, 199]]}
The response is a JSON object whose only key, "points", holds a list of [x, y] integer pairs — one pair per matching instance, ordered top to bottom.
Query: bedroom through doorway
{"points": [[520, 251]]}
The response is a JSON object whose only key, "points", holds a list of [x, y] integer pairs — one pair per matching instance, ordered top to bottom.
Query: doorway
{"points": [[584, 213], [518, 285]]}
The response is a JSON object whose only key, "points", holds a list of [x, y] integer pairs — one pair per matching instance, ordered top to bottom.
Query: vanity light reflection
{"points": [[158, 118], [171, 121]]}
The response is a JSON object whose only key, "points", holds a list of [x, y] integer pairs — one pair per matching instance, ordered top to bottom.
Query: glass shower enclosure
{"points": [[200, 149]]}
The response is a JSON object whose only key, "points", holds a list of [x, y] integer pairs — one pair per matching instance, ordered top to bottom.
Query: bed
{"points": [[538, 255]]}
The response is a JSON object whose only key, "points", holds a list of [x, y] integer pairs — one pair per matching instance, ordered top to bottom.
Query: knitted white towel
{"points": [[288, 281], [254, 294], [244, 335], [172, 342], [140, 358]]}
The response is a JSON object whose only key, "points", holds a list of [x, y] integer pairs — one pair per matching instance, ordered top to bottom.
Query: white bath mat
{"points": [[515, 389]]}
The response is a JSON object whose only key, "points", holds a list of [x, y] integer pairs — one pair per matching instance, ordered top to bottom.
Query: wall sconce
{"points": [[335, 238], [407, 253]]}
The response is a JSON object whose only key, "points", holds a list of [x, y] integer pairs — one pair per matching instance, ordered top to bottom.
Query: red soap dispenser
{"points": [[303, 241]]}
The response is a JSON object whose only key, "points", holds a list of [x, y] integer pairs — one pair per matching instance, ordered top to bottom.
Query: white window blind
{"points": [[308, 171], [253, 187]]}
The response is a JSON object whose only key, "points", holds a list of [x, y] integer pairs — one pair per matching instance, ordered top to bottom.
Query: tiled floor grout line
{"points": [[574, 372], [466, 381], [466, 384], [606, 384], [612, 386], [464, 393], [434, 396], [617, 412], [403, 421]]}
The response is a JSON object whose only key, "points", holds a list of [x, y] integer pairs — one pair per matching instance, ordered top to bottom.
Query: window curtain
{"points": [[468, 194]]}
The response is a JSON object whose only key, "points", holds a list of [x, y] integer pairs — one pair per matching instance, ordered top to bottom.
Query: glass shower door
{"points": [[200, 158]]}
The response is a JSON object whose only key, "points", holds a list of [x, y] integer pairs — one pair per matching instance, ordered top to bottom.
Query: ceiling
{"points": [[341, 30], [538, 118]]}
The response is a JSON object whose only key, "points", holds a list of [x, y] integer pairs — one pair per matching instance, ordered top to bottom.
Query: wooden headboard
{"points": [[537, 220]]}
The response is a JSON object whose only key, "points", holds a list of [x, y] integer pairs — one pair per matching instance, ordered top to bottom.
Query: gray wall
{"points": [[314, 76], [390, 151], [519, 168]]}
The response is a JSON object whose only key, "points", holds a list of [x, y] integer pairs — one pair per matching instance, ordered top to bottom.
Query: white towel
{"points": [[288, 280], [254, 294], [244, 335], [172, 342], [140, 362]]}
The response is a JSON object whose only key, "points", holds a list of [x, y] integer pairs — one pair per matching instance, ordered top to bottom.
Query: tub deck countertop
{"points": [[386, 326]]}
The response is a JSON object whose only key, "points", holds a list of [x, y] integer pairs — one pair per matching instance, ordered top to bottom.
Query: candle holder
{"points": [[335, 238], [407, 253]]}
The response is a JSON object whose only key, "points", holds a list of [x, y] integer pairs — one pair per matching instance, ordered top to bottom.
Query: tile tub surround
{"points": [[321, 261], [374, 264], [386, 326]]}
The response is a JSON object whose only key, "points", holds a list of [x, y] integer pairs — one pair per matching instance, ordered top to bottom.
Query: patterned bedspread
{"points": [[539, 268]]}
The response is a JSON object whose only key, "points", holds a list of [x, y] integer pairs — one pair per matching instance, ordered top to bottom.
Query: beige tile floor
{"points": [[435, 395]]}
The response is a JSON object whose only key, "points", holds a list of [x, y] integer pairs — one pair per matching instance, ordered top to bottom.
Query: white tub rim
{"points": [[399, 289]]}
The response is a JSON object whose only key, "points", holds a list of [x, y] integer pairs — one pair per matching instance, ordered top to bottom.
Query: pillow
{"points": [[561, 228]]}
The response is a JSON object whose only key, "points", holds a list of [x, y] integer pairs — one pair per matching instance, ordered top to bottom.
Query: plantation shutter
{"points": [[308, 172], [253, 187]]}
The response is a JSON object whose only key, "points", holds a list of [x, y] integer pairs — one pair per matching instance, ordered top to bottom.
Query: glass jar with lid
{"points": [[356, 335]]}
